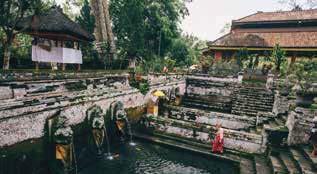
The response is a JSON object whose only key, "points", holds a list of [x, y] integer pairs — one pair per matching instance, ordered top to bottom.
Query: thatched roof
{"points": [[280, 16], [55, 25], [289, 29], [305, 39]]}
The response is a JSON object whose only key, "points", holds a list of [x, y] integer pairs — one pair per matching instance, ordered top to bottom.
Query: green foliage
{"points": [[12, 11], [86, 19], [149, 30], [242, 56], [278, 56], [223, 69], [304, 74], [143, 86]]}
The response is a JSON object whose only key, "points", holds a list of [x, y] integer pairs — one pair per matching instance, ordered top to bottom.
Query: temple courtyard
{"points": [[87, 99]]}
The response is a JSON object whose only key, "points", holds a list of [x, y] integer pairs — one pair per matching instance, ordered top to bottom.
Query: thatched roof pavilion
{"points": [[54, 25], [51, 30], [294, 31]]}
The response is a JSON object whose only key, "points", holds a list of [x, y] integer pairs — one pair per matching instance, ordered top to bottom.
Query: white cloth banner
{"points": [[57, 55]]}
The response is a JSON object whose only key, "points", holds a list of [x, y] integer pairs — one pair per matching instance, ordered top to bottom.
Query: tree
{"points": [[299, 4], [12, 12], [88, 22], [226, 28], [146, 29], [103, 32], [242, 56], [278, 56]]}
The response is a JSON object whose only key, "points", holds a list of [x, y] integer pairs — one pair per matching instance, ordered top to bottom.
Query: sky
{"points": [[208, 17]]}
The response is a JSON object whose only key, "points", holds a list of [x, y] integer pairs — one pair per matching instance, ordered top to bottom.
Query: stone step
{"points": [[254, 95], [189, 100], [257, 100], [252, 104], [207, 107], [251, 108], [245, 111], [252, 114], [307, 152], [289, 162], [261, 165], [277, 165], [306, 166]]}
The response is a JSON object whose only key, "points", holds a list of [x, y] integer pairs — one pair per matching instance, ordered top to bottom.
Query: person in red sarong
{"points": [[217, 143]]}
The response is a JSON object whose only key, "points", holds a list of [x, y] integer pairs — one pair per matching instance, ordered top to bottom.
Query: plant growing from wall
{"points": [[142, 85]]}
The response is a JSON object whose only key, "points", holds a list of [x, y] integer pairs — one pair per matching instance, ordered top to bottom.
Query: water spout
{"points": [[131, 143], [108, 155]]}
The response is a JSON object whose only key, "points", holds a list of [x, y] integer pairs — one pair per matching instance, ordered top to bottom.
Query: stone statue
{"points": [[119, 117], [96, 122], [63, 139]]}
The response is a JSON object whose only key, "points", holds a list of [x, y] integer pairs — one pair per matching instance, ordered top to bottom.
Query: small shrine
{"points": [[56, 38]]}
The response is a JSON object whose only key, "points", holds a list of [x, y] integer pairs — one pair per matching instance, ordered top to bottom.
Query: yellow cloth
{"points": [[159, 94], [120, 125], [98, 136], [62, 151]]}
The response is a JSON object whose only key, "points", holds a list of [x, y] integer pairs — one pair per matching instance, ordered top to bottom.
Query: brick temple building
{"points": [[294, 31]]}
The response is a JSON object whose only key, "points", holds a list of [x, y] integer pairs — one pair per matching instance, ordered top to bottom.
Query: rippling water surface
{"points": [[148, 158]]}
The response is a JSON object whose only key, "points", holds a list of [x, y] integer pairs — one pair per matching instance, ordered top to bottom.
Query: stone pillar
{"points": [[240, 77], [270, 81]]}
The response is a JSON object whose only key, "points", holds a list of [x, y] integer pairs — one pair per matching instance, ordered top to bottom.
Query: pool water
{"points": [[147, 158]]}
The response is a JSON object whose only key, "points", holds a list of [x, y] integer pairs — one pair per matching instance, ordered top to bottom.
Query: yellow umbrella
{"points": [[159, 93]]}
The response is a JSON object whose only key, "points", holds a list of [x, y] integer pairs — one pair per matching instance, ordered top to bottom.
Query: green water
{"points": [[148, 158]]}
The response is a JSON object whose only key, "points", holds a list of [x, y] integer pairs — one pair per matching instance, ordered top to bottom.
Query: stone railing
{"points": [[155, 79], [228, 121], [236, 140]]}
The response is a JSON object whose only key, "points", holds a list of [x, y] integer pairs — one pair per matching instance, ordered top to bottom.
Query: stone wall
{"points": [[214, 93], [24, 110], [228, 121], [299, 123]]}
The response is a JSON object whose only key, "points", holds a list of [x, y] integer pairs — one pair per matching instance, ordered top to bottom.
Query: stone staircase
{"points": [[251, 100], [208, 102], [294, 160]]}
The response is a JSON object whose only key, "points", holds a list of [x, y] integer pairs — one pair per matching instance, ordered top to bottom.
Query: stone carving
{"points": [[119, 117], [96, 122], [64, 147]]}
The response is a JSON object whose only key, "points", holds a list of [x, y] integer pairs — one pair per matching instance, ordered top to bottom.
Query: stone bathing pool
{"points": [[148, 158]]}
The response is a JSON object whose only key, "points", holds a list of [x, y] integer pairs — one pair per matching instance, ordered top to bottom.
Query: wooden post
{"points": [[76, 46], [37, 66], [63, 66], [78, 67]]}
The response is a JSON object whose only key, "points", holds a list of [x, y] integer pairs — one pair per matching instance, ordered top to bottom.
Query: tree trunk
{"points": [[103, 31], [112, 45], [7, 55]]}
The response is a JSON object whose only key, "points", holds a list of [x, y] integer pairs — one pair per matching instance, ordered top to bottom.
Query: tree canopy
{"points": [[146, 28]]}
